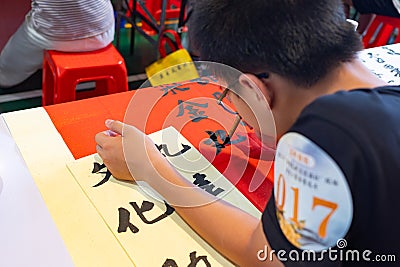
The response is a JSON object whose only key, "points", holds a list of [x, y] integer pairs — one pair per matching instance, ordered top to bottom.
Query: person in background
{"points": [[369, 8], [389, 8], [63, 25], [336, 170]]}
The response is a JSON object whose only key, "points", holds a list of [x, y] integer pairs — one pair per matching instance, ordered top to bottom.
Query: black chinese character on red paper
{"points": [[193, 110]]}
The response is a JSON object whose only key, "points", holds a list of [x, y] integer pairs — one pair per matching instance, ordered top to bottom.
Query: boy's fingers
{"points": [[115, 126]]}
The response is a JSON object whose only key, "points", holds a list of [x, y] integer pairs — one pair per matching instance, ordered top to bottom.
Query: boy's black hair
{"points": [[301, 40]]}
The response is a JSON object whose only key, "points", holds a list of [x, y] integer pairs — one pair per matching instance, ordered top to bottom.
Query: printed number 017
{"points": [[281, 199]]}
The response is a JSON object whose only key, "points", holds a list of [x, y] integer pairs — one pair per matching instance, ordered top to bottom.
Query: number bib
{"points": [[312, 197]]}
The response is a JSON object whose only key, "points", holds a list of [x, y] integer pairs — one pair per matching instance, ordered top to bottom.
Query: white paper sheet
{"points": [[384, 61], [120, 203], [28, 234], [88, 240]]}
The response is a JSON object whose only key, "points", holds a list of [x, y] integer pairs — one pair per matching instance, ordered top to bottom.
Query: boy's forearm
{"points": [[231, 231]]}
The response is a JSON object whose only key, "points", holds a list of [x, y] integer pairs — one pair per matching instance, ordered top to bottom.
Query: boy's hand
{"points": [[109, 148], [128, 153]]}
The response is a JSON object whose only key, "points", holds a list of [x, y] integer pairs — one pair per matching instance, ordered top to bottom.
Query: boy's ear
{"points": [[252, 82]]}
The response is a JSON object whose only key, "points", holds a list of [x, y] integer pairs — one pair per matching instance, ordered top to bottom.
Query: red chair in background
{"points": [[155, 10], [153, 15], [381, 30], [62, 71]]}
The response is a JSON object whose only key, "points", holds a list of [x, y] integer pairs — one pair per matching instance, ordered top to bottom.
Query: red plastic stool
{"points": [[62, 71]]}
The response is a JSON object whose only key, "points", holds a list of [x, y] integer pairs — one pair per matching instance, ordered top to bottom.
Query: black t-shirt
{"points": [[359, 131]]}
